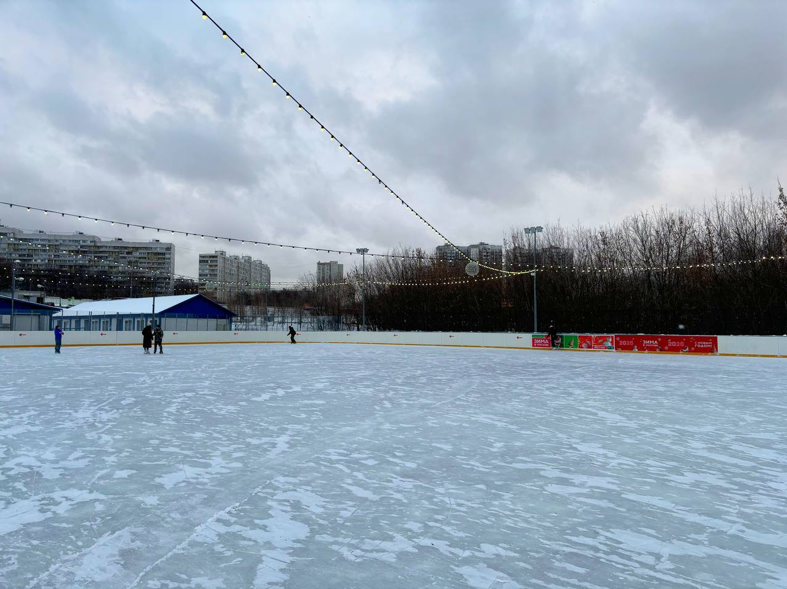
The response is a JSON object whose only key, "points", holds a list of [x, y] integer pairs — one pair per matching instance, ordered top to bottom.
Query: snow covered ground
{"points": [[320, 466]]}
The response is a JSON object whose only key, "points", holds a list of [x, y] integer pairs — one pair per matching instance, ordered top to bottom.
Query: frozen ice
{"points": [[317, 466]]}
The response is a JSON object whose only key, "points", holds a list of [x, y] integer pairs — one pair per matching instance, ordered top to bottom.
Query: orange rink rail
{"points": [[414, 344]]}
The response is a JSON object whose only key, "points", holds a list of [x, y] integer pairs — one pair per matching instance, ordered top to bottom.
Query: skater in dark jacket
{"points": [[291, 333], [553, 336], [158, 337], [147, 338]]}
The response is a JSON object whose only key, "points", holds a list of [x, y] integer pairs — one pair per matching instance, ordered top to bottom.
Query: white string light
{"points": [[342, 146]]}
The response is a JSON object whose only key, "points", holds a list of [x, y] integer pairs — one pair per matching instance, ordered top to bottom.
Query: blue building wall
{"points": [[21, 307], [199, 307], [198, 313], [28, 316]]}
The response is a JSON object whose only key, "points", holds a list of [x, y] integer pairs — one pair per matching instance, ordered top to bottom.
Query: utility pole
{"points": [[535, 231], [363, 251], [155, 275], [13, 292]]}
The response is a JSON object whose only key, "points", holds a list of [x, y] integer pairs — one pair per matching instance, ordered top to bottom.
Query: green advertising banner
{"points": [[569, 341]]}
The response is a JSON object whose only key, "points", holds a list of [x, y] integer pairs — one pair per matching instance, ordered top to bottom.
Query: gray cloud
{"points": [[482, 115]]}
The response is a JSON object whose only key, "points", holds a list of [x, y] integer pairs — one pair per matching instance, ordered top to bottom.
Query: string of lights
{"points": [[341, 145], [237, 240], [537, 268]]}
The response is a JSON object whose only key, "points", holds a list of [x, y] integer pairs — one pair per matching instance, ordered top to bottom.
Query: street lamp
{"points": [[534, 231], [363, 251], [155, 283], [13, 290]]}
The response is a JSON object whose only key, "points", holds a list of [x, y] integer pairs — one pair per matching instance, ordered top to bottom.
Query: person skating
{"points": [[292, 334], [158, 337], [58, 338], [147, 338], [554, 338]]}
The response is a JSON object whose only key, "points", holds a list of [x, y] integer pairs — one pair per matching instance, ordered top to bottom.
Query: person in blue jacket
{"points": [[58, 338]]}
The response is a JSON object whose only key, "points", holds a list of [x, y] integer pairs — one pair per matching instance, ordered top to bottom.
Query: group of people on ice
{"points": [[150, 337]]}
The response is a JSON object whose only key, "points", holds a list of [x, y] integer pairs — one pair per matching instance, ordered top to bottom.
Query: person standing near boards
{"points": [[292, 334], [158, 337], [58, 338], [147, 338]]}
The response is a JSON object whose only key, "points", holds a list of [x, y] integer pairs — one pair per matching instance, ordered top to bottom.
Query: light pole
{"points": [[535, 231], [363, 251], [13, 291], [153, 318]]}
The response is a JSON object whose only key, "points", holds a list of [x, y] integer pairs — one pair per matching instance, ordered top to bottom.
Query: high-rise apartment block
{"points": [[79, 253], [491, 255], [330, 272], [222, 276]]}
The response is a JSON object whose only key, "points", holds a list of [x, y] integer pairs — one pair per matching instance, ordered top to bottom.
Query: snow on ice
{"points": [[316, 466]]}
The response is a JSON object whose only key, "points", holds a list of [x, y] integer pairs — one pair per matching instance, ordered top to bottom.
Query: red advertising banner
{"points": [[541, 341], [585, 342], [603, 342], [647, 343], [667, 343], [673, 343], [708, 344]]}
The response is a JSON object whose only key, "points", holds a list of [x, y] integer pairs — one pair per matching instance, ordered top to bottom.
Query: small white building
{"points": [[194, 312]]}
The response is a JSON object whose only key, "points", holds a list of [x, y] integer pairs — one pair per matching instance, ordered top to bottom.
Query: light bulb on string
{"points": [[223, 35]]}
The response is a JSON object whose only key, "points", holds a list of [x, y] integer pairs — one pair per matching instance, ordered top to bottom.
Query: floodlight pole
{"points": [[535, 231], [363, 251], [13, 292], [153, 319]]}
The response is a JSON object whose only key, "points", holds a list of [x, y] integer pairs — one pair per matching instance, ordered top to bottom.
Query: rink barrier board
{"points": [[742, 346]]}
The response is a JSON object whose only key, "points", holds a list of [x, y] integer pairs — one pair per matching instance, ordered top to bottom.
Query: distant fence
{"points": [[25, 321], [179, 322], [301, 322]]}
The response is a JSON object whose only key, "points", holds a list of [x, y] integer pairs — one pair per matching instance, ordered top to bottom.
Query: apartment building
{"points": [[80, 252], [491, 255], [330, 272], [223, 276]]}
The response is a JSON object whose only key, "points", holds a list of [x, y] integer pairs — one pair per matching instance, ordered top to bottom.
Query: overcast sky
{"points": [[484, 115]]}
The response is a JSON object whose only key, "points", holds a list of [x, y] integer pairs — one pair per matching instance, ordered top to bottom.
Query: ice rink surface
{"points": [[321, 466]]}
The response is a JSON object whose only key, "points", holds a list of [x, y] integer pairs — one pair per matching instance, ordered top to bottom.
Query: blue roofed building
{"points": [[194, 312], [28, 316]]}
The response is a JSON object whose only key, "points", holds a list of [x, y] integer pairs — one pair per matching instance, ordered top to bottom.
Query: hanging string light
{"points": [[342, 146], [422, 258]]}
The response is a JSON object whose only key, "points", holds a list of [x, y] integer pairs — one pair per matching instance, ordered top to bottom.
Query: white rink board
{"points": [[728, 345]]}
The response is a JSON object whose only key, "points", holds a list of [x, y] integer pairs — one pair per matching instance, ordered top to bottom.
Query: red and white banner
{"points": [[541, 341], [585, 342], [603, 342], [667, 343], [705, 344]]}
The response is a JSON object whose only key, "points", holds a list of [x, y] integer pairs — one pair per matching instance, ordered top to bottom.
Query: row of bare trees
{"points": [[720, 269], [710, 270]]}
